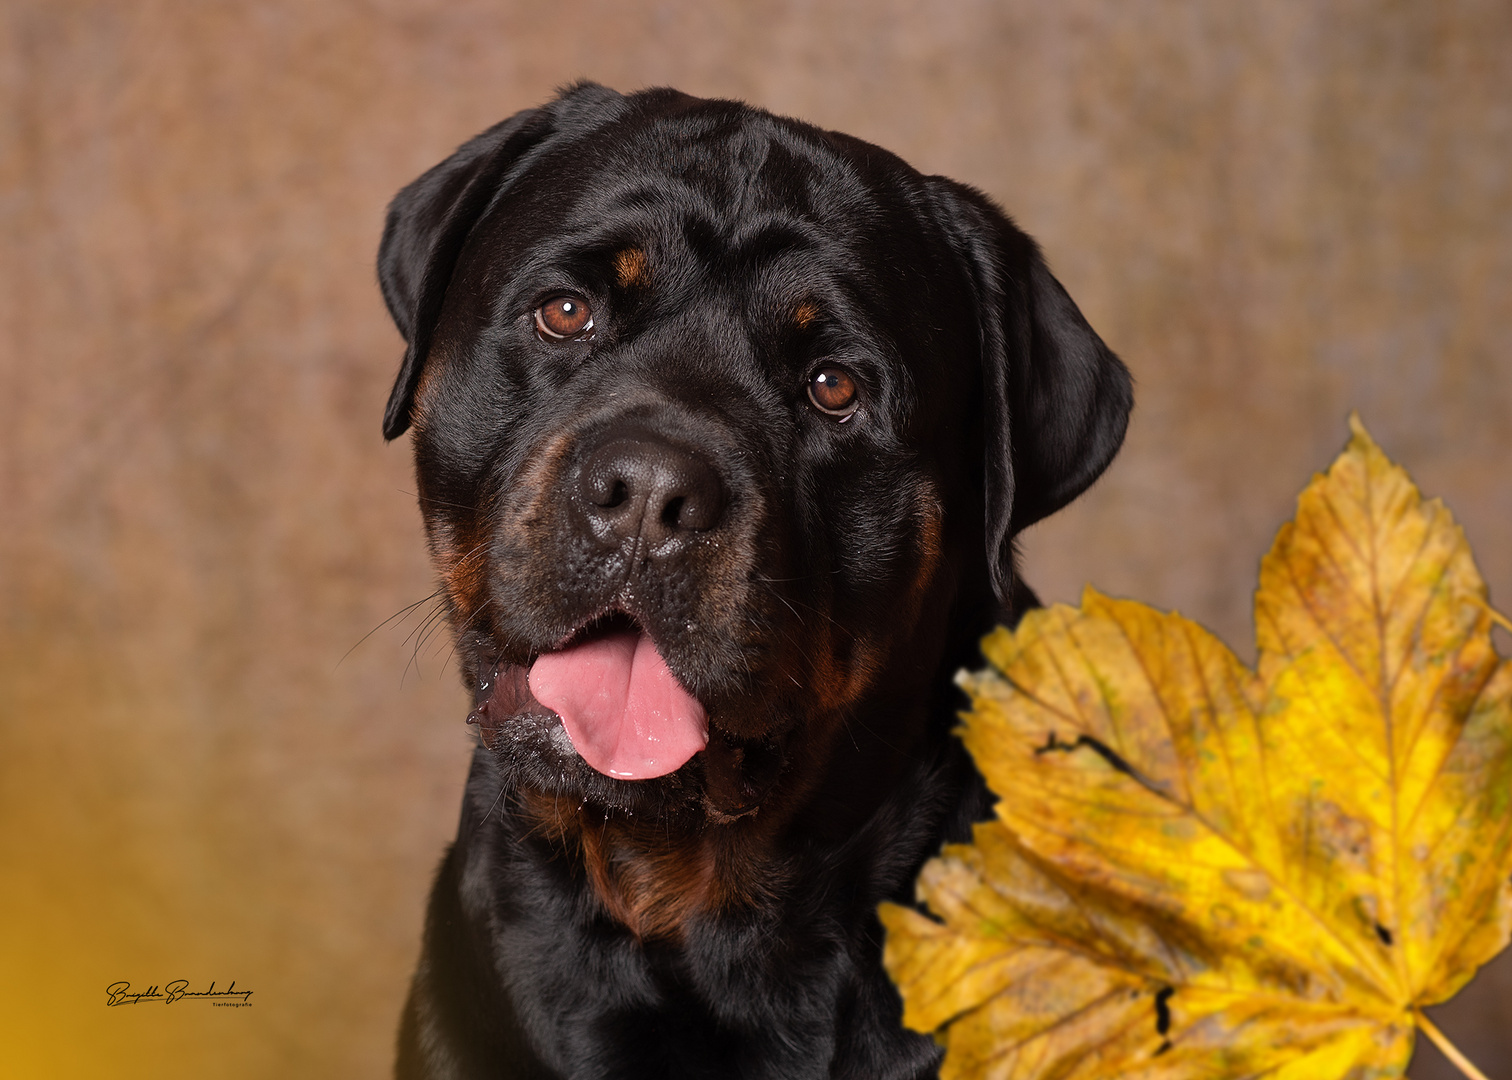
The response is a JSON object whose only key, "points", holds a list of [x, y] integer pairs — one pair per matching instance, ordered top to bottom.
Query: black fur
{"points": [[718, 921]]}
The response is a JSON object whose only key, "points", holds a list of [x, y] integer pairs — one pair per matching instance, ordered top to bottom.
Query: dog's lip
{"points": [[605, 621]]}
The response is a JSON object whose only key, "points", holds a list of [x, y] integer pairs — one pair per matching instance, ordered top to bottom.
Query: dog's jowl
{"points": [[723, 426]]}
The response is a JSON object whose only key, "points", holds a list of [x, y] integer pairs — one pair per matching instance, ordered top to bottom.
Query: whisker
{"points": [[439, 502], [763, 581], [402, 612], [467, 624], [422, 634], [419, 636], [846, 721], [497, 800]]}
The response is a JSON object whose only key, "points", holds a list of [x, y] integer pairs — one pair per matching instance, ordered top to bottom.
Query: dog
{"points": [[724, 426]]}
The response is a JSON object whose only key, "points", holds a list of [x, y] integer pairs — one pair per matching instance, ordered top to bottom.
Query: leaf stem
{"points": [[1497, 617], [1450, 1051]]}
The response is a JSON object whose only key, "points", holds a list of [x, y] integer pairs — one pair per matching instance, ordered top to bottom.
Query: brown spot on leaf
{"points": [[1250, 884]]}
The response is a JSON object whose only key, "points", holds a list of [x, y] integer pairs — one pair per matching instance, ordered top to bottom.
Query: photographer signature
{"points": [[120, 993]]}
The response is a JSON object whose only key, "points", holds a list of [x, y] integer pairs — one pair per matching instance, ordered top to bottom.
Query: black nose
{"points": [[639, 485]]}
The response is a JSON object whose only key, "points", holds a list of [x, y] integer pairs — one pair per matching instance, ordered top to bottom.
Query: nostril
{"points": [[640, 485], [605, 486], [700, 509]]}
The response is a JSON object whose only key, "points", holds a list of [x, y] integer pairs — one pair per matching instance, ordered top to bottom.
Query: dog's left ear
{"points": [[1056, 399]]}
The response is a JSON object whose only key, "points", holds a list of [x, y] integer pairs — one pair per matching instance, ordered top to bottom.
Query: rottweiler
{"points": [[724, 425]]}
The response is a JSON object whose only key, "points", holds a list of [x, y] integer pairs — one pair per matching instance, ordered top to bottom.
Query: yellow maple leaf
{"points": [[1199, 870]]}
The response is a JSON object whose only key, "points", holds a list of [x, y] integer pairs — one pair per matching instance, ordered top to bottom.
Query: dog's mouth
{"points": [[625, 713]]}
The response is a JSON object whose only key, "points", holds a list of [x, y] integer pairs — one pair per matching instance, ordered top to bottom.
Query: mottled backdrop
{"points": [[219, 761]]}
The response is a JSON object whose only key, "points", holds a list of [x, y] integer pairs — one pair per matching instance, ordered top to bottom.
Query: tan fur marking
{"points": [[631, 267], [807, 312], [420, 405], [538, 480], [931, 517], [462, 560], [841, 676], [653, 882]]}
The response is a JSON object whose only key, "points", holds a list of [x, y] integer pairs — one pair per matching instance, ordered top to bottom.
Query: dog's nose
{"points": [[637, 485]]}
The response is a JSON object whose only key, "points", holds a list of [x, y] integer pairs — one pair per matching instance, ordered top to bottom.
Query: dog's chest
{"points": [[793, 992]]}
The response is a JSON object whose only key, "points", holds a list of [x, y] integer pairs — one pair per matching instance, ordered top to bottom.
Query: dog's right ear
{"points": [[430, 220], [428, 224]]}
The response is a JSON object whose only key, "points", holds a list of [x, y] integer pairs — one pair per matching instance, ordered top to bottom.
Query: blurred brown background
{"points": [[1275, 212]]}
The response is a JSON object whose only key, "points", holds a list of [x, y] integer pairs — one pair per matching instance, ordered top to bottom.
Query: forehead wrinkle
{"points": [[750, 138], [750, 150], [740, 160], [675, 192], [634, 194], [752, 235], [691, 238]]}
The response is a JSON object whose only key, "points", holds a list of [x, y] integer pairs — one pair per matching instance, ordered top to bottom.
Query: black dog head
{"points": [[737, 416]]}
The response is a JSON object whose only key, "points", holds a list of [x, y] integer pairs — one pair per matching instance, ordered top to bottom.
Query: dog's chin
{"points": [[533, 751]]}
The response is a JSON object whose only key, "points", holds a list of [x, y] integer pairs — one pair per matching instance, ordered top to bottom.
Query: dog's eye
{"points": [[564, 317], [833, 391]]}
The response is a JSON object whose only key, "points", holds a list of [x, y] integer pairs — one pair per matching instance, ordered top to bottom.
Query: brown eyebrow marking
{"points": [[631, 267], [806, 313]]}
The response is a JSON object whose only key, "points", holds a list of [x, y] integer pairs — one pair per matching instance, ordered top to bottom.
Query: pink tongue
{"points": [[624, 712]]}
